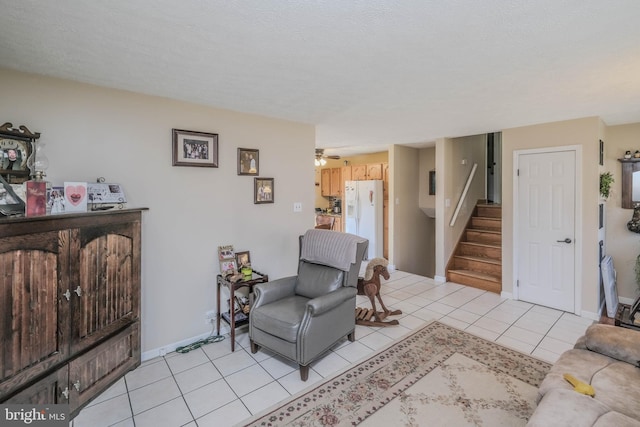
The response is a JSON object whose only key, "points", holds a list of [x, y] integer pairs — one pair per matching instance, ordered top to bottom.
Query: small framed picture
{"points": [[195, 148], [248, 161], [262, 190], [10, 203], [227, 258], [243, 259]]}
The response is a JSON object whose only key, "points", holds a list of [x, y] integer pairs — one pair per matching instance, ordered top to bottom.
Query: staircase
{"points": [[477, 260]]}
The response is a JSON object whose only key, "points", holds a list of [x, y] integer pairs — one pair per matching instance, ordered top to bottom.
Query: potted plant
{"points": [[606, 179]]}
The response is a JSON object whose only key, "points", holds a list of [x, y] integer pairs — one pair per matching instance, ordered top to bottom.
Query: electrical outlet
{"points": [[297, 207]]}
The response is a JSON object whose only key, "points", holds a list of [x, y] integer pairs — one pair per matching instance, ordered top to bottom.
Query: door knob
{"points": [[567, 240]]}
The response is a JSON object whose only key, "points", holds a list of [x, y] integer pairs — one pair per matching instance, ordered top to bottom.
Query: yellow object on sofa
{"points": [[580, 386]]}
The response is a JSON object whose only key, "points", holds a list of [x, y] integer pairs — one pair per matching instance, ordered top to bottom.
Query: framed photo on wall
{"points": [[195, 148], [248, 161], [262, 190]]}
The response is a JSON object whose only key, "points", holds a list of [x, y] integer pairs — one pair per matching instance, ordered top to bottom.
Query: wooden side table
{"points": [[255, 278]]}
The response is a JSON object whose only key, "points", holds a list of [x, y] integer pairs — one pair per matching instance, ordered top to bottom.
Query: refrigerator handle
{"points": [[371, 197]]}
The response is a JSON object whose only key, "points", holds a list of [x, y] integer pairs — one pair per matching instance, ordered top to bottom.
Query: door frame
{"points": [[578, 220]]}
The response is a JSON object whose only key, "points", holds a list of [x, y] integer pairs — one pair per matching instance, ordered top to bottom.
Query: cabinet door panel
{"points": [[374, 171], [359, 172], [325, 182], [336, 182], [108, 277], [33, 312], [97, 369]]}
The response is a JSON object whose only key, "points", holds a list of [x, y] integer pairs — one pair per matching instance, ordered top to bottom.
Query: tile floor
{"points": [[211, 386]]}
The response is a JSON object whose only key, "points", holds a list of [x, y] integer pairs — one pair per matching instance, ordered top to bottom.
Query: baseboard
{"points": [[439, 279], [507, 295], [626, 300], [590, 315], [161, 351]]}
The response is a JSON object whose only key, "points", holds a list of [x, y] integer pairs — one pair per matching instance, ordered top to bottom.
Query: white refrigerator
{"points": [[363, 213]]}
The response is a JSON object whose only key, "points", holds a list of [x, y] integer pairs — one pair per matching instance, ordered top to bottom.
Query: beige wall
{"points": [[585, 133], [126, 138], [456, 157], [409, 227], [620, 243]]}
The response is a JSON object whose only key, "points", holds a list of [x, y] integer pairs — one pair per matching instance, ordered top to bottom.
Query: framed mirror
{"points": [[16, 152], [630, 182]]}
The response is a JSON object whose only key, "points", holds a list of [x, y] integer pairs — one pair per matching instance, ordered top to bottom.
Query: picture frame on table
{"points": [[192, 148], [248, 161], [263, 190], [10, 203], [243, 259]]}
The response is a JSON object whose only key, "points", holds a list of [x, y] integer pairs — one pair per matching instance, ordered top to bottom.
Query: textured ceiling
{"points": [[367, 73]]}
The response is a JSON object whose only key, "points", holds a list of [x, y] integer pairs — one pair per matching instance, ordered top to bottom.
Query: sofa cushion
{"points": [[315, 280], [280, 318], [613, 341], [618, 387], [561, 407]]}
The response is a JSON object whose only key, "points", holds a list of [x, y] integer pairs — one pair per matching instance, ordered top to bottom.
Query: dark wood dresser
{"points": [[69, 305]]}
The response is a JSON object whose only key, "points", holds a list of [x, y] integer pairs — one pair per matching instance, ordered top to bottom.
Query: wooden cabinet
{"points": [[374, 171], [359, 172], [325, 182], [331, 182], [336, 182], [337, 225], [70, 305]]}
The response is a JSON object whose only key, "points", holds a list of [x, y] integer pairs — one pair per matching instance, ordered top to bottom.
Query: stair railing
{"points": [[463, 195]]}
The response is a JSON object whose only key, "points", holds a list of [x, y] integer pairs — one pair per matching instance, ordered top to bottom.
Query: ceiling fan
{"points": [[320, 157]]}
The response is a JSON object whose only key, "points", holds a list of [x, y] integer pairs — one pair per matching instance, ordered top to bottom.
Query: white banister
{"points": [[463, 195]]}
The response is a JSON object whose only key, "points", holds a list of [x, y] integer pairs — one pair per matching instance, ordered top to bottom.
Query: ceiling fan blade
{"points": [[333, 157]]}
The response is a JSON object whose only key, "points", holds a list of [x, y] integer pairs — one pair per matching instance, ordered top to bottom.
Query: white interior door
{"points": [[546, 229]]}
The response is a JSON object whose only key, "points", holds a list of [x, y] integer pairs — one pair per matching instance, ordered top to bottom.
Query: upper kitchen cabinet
{"points": [[374, 171], [358, 172], [366, 172], [325, 182], [331, 182], [336, 182]]}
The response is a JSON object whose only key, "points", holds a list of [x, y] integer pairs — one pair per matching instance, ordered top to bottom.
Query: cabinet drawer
{"points": [[96, 370]]}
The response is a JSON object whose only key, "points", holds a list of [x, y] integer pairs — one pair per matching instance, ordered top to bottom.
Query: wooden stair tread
{"points": [[483, 230], [481, 245], [481, 259], [477, 274]]}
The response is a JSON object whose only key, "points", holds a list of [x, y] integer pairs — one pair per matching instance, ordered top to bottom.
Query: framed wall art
{"points": [[195, 148], [16, 152], [248, 161], [262, 190], [10, 203]]}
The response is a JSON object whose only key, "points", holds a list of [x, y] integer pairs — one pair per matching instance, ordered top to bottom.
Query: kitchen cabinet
{"points": [[374, 171], [358, 172], [325, 182], [331, 182], [336, 182], [70, 290]]}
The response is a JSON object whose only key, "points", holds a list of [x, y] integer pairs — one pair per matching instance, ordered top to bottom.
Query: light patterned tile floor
{"points": [[211, 386]]}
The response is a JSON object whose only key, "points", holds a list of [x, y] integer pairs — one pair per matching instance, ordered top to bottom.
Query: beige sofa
{"points": [[608, 358]]}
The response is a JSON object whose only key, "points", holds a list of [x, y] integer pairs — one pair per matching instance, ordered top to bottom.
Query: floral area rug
{"points": [[437, 376]]}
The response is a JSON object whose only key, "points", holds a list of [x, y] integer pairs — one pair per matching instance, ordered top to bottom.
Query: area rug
{"points": [[437, 376]]}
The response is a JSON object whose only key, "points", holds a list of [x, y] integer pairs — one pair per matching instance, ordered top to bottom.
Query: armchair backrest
{"points": [[316, 278]]}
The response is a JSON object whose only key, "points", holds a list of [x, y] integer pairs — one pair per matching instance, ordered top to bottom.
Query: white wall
{"points": [[126, 138]]}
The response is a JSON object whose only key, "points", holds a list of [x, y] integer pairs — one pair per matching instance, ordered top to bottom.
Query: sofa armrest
{"points": [[274, 290], [317, 306], [615, 342]]}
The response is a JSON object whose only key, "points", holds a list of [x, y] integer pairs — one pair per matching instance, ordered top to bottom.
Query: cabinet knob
{"points": [[78, 291], [67, 295], [77, 385], [65, 393]]}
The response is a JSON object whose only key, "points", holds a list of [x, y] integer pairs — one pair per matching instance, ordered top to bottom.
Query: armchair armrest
{"points": [[274, 290], [324, 303], [615, 342]]}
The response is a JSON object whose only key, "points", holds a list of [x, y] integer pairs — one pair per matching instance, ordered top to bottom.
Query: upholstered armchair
{"points": [[301, 317]]}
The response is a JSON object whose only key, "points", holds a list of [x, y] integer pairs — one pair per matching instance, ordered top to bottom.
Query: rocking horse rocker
{"points": [[370, 286]]}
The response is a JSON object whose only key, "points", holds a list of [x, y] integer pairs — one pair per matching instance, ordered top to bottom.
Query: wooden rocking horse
{"points": [[370, 286]]}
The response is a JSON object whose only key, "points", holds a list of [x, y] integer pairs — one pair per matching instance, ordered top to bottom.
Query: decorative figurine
{"points": [[627, 155]]}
